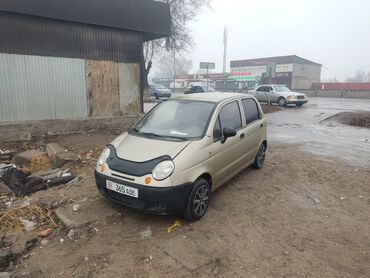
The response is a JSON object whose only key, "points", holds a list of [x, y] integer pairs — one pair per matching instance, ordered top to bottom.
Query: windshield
{"points": [[159, 86], [281, 89], [178, 119]]}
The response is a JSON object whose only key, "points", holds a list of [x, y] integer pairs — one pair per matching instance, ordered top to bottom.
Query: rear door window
{"points": [[251, 110]]}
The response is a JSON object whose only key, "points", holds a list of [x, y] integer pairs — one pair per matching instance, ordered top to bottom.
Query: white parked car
{"points": [[279, 94]]}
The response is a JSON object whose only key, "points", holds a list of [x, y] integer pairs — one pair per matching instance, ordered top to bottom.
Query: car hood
{"points": [[164, 90], [294, 94], [140, 149]]}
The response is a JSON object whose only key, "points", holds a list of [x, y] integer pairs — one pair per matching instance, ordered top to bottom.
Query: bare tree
{"points": [[182, 12], [166, 70], [360, 76], [333, 80]]}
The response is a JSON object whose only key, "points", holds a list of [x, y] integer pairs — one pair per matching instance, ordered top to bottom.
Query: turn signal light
{"points": [[148, 180]]}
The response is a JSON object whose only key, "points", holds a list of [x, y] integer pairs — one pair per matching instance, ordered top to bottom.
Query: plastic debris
{"points": [[343, 198], [76, 207], [28, 225], [175, 225], [46, 233], [71, 234], [146, 234], [44, 242], [31, 243]]}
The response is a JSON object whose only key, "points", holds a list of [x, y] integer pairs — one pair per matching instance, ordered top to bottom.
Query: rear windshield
{"points": [[176, 119]]}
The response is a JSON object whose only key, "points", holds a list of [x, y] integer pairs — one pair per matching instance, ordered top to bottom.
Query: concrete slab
{"points": [[52, 149], [89, 211], [194, 249]]}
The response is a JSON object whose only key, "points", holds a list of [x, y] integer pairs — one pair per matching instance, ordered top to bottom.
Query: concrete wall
{"points": [[304, 75], [337, 94]]}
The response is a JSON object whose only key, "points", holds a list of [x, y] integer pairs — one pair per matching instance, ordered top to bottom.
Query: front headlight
{"points": [[291, 97], [103, 157], [163, 170]]}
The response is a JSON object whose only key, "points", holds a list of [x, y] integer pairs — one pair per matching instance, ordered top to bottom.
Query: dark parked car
{"points": [[199, 89], [159, 91]]}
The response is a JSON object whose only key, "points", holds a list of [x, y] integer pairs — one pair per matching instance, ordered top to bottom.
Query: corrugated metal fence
{"points": [[38, 88]]}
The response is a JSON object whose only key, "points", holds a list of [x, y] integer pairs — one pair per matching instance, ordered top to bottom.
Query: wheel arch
{"points": [[207, 177]]}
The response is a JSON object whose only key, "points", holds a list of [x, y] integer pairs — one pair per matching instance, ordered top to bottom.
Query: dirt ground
{"points": [[267, 109], [358, 119], [300, 216]]}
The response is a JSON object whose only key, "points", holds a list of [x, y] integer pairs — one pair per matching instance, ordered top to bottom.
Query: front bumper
{"points": [[165, 95], [298, 101], [168, 200]]}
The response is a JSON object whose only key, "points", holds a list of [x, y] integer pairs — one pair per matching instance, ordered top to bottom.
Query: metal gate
{"points": [[40, 88]]}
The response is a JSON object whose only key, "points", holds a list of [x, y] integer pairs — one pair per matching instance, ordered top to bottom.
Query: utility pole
{"points": [[226, 32], [174, 70], [207, 77]]}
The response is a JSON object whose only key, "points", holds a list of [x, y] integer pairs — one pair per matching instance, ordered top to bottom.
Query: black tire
{"points": [[282, 102], [299, 104], [259, 161], [198, 200]]}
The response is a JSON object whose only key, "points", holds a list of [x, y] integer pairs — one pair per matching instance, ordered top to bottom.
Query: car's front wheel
{"points": [[282, 102], [299, 104], [260, 157], [198, 200]]}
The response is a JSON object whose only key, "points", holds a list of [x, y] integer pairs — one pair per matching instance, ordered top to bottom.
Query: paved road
{"points": [[303, 128]]}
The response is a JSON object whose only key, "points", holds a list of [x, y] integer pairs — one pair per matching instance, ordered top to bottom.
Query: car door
{"points": [[261, 93], [273, 94], [253, 130], [226, 156]]}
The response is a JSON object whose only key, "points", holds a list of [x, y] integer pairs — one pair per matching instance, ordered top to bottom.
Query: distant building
{"points": [[63, 59], [293, 71]]}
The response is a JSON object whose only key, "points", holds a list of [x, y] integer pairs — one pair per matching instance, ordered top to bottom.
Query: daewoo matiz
{"points": [[181, 151]]}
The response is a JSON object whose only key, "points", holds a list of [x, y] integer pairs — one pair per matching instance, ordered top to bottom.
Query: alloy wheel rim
{"points": [[261, 155], [201, 198]]}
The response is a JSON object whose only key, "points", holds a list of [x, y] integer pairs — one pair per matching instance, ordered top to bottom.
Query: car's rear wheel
{"points": [[282, 102], [260, 157], [198, 200]]}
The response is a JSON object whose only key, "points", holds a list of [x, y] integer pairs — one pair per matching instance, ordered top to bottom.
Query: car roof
{"points": [[271, 85], [213, 96]]}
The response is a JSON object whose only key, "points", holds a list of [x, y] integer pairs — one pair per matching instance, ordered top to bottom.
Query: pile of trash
{"points": [[33, 170]]}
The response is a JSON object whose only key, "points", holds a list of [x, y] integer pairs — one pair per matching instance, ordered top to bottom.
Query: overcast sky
{"points": [[335, 33]]}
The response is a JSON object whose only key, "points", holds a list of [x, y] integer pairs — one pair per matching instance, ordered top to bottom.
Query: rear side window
{"points": [[261, 89], [251, 110], [230, 116]]}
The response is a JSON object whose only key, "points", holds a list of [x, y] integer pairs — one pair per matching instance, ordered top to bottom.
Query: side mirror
{"points": [[228, 132]]}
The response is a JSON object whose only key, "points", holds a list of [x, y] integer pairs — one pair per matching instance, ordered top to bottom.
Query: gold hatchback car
{"points": [[181, 151]]}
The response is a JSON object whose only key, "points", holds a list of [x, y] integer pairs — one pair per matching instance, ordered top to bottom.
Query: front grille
{"points": [[300, 97], [137, 203]]}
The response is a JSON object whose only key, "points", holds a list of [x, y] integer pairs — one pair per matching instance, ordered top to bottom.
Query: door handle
{"points": [[242, 136]]}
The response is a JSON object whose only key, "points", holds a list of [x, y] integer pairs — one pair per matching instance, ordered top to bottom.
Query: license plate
{"points": [[123, 189]]}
